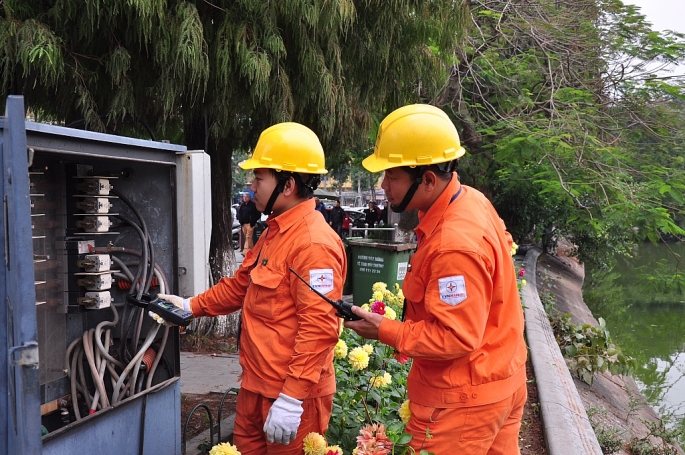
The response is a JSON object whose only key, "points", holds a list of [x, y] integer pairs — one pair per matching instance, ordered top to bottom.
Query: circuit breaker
{"points": [[105, 228]]}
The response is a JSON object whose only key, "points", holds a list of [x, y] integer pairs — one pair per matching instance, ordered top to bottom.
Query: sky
{"points": [[662, 14]]}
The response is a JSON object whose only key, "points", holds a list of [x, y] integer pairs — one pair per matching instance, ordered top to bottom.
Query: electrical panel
{"points": [[104, 231]]}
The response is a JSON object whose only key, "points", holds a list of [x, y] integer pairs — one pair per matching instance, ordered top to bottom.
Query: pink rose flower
{"points": [[401, 357]]}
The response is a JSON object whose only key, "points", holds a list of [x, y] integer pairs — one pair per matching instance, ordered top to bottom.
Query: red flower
{"points": [[522, 272], [378, 307], [401, 357]]}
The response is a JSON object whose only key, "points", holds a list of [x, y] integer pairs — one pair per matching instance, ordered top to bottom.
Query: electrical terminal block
{"points": [[95, 186], [94, 205], [94, 224], [96, 263], [96, 282], [96, 300]]}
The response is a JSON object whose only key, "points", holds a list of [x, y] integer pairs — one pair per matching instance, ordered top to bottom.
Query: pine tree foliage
{"points": [[243, 64], [222, 71]]}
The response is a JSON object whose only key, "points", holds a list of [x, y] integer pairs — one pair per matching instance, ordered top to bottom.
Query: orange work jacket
{"points": [[464, 320], [288, 332]]}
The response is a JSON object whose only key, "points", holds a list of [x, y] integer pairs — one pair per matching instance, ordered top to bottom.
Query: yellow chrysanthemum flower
{"points": [[514, 248], [523, 282], [380, 286], [397, 287], [378, 295], [387, 295], [400, 297], [365, 307], [390, 313], [368, 349], [340, 351], [358, 358], [381, 381], [404, 412], [314, 444], [224, 449], [335, 449], [355, 451]]}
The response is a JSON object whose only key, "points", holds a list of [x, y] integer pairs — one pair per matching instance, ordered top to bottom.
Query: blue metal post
{"points": [[20, 423]]}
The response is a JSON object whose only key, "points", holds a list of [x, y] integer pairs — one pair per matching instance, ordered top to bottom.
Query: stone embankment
{"points": [[563, 399]]}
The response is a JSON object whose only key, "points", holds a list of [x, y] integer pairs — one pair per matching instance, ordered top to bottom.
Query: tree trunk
{"points": [[221, 256]]}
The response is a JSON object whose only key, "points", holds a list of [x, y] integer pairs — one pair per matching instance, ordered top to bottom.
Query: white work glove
{"points": [[174, 300], [283, 420]]}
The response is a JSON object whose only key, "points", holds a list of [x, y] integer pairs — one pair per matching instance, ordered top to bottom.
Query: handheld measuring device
{"points": [[164, 309]]}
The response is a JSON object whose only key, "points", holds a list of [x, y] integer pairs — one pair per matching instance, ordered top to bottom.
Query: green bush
{"points": [[589, 349]]}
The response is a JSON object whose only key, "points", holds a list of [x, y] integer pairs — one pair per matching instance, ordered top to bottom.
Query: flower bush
{"points": [[370, 409], [315, 444], [224, 449]]}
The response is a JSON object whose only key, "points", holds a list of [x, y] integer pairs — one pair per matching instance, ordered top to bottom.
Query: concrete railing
{"points": [[566, 425]]}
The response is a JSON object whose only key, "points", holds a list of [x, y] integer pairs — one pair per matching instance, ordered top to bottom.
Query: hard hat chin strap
{"points": [[417, 174], [282, 178], [418, 178], [312, 182]]}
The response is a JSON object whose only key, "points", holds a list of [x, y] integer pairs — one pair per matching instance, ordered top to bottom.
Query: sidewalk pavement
{"points": [[203, 373]]}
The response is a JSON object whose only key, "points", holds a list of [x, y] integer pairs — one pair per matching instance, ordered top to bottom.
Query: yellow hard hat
{"points": [[414, 135], [288, 147]]}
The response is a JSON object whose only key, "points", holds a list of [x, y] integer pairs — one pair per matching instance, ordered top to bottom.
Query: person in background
{"points": [[320, 207], [384, 213], [372, 214], [248, 215], [337, 216], [463, 320], [287, 333]]}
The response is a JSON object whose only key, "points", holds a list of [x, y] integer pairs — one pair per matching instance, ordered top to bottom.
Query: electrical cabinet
{"points": [[92, 221]]}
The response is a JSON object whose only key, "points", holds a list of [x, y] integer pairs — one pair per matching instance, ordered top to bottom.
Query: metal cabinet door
{"points": [[20, 424]]}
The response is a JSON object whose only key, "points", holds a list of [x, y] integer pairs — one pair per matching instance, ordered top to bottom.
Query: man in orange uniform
{"points": [[463, 322], [287, 332]]}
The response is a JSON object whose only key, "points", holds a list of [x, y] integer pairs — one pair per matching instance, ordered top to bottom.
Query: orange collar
{"points": [[287, 219], [429, 221]]}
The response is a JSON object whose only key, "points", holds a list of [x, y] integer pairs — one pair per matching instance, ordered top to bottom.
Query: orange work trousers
{"points": [[247, 237], [250, 415], [491, 429]]}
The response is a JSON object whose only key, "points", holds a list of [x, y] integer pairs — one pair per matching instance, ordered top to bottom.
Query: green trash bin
{"points": [[373, 261], [347, 287]]}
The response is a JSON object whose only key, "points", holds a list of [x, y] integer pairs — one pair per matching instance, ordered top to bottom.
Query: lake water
{"points": [[643, 302]]}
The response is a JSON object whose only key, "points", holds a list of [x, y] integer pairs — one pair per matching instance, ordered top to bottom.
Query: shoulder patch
{"points": [[321, 280], [452, 289]]}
